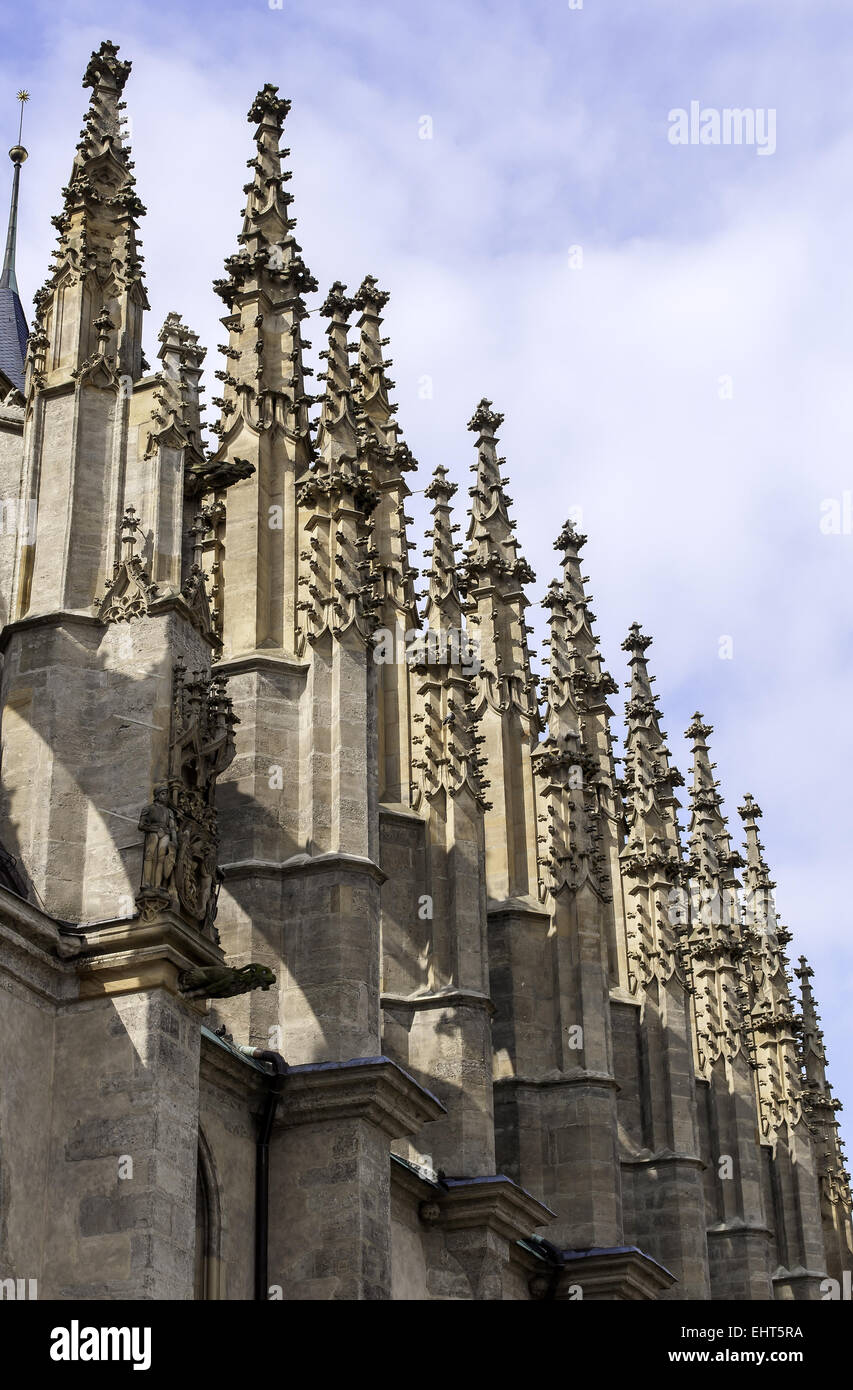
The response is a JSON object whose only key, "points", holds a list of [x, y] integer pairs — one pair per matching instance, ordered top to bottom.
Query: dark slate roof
{"points": [[13, 336]]}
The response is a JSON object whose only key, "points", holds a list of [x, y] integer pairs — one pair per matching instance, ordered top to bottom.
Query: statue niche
{"points": [[181, 841]]}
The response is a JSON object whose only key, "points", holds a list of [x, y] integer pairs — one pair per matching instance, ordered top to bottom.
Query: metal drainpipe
{"points": [[262, 1167]]}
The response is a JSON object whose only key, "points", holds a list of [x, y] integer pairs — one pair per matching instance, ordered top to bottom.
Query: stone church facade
{"points": [[337, 960]]}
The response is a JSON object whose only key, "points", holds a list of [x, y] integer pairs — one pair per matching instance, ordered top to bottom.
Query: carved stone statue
{"points": [[157, 820]]}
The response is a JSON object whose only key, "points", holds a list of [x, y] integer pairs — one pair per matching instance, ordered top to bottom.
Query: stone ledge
{"points": [[62, 617], [260, 661], [397, 811], [303, 864], [517, 907], [34, 951], [128, 955], [449, 998], [600, 1080], [370, 1088], [664, 1156], [495, 1202], [737, 1227], [620, 1273], [797, 1285]]}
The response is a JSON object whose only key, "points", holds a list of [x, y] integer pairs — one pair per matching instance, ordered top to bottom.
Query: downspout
{"points": [[262, 1166]]}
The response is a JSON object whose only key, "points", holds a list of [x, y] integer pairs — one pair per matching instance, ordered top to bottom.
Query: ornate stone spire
{"points": [[97, 267], [13, 324], [264, 376], [178, 410], [263, 429], [337, 430], [386, 456], [386, 459], [495, 575], [337, 578], [444, 607], [581, 663], [591, 683], [506, 700], [446, 743], [649, 782], [569, 842], [712, 859], [651, 860], [758, 886], [715, 946], [767, 970], [820, 1102], [821, 1108]]}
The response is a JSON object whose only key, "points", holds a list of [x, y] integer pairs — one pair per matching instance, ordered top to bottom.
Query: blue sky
{"points": [[699, 263]]}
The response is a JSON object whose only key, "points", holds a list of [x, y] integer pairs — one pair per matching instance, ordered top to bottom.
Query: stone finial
{"points": [[106, 69], [269, 106]]}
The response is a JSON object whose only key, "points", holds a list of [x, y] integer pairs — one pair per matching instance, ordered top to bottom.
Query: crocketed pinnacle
{"points": [[97, 231], [266, 281], [177, 395], [376, 410], [336, 431], [386, 457], [492, 547], [495, 576], [337, 578], [444, 602], [590, 682], [447, 738], [650, 802], [651, 858], [713, 861], [758, 886], [715, 944], [765, 966], [812, 1045], [820, 1104]]}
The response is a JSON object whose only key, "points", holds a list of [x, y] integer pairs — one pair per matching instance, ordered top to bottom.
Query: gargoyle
{"points": [[223, 981]]}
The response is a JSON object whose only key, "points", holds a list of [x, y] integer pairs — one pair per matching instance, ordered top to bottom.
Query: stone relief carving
{"points": [[181, 840]]}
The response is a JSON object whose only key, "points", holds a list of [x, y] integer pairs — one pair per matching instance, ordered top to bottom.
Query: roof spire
{"points": [[17, 154], [13, 325]]}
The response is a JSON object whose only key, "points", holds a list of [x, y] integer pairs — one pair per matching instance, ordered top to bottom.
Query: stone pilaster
{"points": [[436, 1006], [331, 1183]]}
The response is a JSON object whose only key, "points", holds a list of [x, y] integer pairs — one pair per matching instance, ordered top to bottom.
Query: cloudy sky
{"points": [[667, 328]]}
